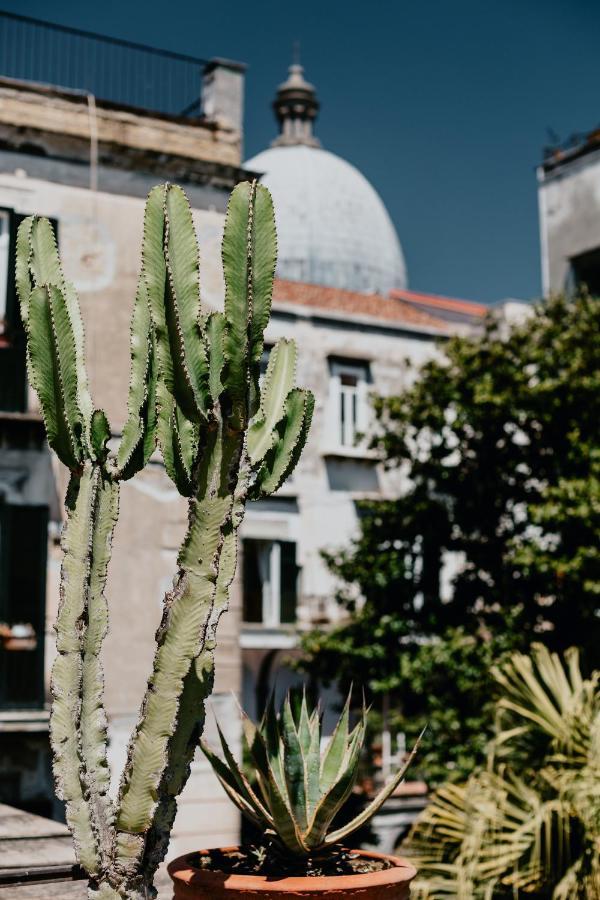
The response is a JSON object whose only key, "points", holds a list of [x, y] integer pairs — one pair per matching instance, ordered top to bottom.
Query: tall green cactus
{"points": [[195, 392]]}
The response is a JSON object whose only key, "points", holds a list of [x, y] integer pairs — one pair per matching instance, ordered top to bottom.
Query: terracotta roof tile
{"points": [[436, 301], [388, 309]]}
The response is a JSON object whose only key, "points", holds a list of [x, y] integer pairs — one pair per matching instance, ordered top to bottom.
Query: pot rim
{"points": [[182, 870]]}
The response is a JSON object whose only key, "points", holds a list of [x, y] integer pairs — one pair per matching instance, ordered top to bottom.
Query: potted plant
{"points": [[224, 438], [301, 783]]}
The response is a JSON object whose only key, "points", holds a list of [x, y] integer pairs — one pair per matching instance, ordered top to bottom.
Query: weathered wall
{"points": [[569, 208]]}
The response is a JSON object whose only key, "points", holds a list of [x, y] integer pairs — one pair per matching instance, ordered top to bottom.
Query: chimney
{"points": [[223, 93]]}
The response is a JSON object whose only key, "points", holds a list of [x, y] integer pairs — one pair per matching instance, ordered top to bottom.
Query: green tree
{"points": [[498, 440]]}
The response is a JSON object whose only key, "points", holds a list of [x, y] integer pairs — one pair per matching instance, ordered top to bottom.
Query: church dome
{"points": [[332, 227]]}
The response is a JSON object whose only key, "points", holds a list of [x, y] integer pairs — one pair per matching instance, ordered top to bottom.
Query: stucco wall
{"points": [[569, 207]]}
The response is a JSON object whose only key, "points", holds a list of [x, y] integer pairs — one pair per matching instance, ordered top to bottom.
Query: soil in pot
{"points": [[234, 872]]}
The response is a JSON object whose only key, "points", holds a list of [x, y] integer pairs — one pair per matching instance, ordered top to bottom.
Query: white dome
{"points": [[332, 227]]}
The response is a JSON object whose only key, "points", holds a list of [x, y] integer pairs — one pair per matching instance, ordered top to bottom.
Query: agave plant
{"points": [[299, 788], [530, 823]]}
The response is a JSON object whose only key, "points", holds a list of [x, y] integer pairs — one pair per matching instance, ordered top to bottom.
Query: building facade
{"points": [[88, 164], [569, 211], [341, 292]]}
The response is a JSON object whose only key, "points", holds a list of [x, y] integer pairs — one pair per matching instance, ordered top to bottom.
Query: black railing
{"points": [[114, 70]]}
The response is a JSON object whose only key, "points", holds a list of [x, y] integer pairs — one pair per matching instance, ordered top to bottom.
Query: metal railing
{"points": [[112, 69]]}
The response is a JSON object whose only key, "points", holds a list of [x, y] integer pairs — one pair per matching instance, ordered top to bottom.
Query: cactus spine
{"points": [[194, 391]]}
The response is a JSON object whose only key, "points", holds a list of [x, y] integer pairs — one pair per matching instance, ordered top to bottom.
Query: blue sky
{"points": [[444, 106]]}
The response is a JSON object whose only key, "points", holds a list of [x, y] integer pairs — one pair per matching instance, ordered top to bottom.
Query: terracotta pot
{"points": [[192, 883]]}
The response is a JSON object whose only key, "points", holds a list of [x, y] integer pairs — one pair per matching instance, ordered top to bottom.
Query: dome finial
{"points": [[296, 107]]}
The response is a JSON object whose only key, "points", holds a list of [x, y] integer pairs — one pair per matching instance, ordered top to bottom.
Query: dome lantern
{"points": [[296, 107], [332, 227]]}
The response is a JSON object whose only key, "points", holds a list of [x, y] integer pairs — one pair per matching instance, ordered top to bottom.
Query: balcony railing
{"points": [[114, 70]]}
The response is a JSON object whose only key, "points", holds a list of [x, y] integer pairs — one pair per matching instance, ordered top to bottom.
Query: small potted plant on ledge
{"points": [[296, 794]]}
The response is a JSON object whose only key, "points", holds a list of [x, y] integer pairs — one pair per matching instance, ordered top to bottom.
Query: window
{"points": [[585, 270], [349, 400], [23, 549], [270, 582]]}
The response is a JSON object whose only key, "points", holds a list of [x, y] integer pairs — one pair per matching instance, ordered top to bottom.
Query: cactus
{"points": [[194, 392], [299, 787]]}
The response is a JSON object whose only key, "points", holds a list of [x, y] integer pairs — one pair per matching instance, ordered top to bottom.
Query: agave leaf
{"points": [[304, 732], [274, 745], [336, 749], [312, 761], [294, 766], [227, 776], [242, 785], [333, 800], [284, 823], [341, 833]]}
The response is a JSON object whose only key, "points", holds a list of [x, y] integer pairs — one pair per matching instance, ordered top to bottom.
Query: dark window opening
{"points": [[586, 271], [23, 551], [270, 582]]}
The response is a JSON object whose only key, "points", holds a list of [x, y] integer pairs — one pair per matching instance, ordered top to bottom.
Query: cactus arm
{"points": [[249, 253], [264, 258], [38, 263], [171, 275], [23, 277], [182, 301], [215, 333], [51, 355], [279, 381], [139, 432], [293, 432], [99, 435], [168, 440], [180, 637], [66, 675], [197, 687], [78, 719], [93, 720]]}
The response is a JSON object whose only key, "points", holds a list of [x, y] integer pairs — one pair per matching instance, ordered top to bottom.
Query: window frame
{"points": [[347, 423], [271, 591]]}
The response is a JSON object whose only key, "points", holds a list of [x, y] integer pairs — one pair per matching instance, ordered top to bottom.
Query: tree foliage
{"points": [[495, 541], [530, 821]]}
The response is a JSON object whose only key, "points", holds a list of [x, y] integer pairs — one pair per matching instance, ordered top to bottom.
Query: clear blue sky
{"points": [[443, 105]]}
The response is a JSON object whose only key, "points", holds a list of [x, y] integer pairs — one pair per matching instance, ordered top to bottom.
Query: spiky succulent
{"points": [[299, 788]]}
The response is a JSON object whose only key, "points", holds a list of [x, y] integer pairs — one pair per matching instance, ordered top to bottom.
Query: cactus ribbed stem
{"points": [[194, 390]]}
